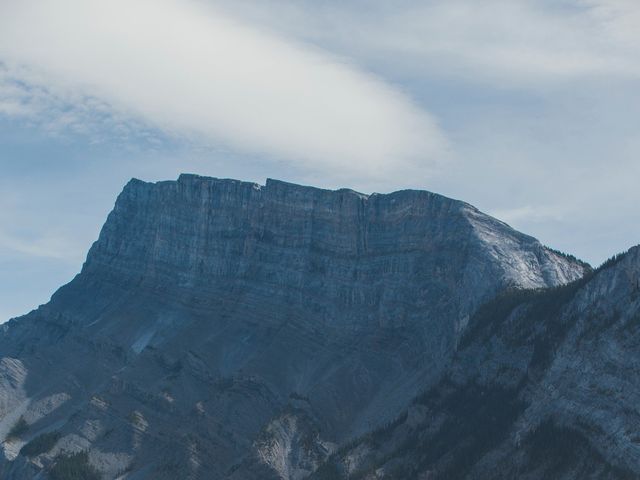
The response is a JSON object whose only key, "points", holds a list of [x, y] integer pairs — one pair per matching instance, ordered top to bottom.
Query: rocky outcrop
{"points": [[206, 305], [546, 384]]}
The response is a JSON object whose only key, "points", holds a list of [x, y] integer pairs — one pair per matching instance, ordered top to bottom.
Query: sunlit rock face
{"points": [[224, 329], [544, 384]]}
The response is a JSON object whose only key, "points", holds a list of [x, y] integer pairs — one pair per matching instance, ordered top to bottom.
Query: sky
{"points": [[527, 109]]}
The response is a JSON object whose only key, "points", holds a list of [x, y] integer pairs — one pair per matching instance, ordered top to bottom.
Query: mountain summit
{"points": [[225, 329]]}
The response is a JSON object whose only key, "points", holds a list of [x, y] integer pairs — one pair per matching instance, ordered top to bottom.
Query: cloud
{"points": [[501, 42], [185, 68], [62, 113], [529, 213], [18, 237], [49, 245]]}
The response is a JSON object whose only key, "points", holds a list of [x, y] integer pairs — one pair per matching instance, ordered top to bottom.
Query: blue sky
{"points": [[527, 109]]}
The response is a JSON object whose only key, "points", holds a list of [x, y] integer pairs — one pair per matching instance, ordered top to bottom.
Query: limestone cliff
{"points": [[227, 329], [546, 384]]}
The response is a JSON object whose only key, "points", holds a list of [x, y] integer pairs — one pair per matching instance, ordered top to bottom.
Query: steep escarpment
{"points": [[222, 328], [545, 385]]}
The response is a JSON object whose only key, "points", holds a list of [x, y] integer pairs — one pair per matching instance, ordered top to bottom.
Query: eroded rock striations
{"points": [[224, 329], [545, 384]]}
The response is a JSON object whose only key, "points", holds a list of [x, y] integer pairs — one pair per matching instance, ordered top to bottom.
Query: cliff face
{"points": [[225, 328], [545, 385]]}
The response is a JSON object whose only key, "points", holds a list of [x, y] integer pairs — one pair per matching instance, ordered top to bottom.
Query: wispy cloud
{"points": [[508, 42], [187, 69], [62, 112], [529, 213], [18, 236], [48, 244]]}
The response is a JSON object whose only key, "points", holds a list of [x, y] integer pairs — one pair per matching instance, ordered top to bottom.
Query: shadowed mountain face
{"points": [[223, 329], [545, 384]]}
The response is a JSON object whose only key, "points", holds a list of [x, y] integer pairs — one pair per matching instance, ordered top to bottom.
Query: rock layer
{"points": [[207, 307], [546, 384]]}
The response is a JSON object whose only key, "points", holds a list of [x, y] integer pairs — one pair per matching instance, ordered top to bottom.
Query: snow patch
{"points": [[143, 340], [45, 406]]}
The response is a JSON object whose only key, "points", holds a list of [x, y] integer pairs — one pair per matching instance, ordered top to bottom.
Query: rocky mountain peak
{"points": [[219, 320]]}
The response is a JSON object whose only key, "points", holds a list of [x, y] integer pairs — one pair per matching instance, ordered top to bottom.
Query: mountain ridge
{"points": [[207, 307], [543, 386]]}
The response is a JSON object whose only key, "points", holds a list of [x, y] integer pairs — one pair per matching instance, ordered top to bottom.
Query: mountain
{"points": [[224, 329], [545, 384]]}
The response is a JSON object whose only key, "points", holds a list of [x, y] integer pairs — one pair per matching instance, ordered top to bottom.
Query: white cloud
{"points": [[503, 42], [187, 69], [61, 111], [529, 213], [18, 236], [49, 245]]}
